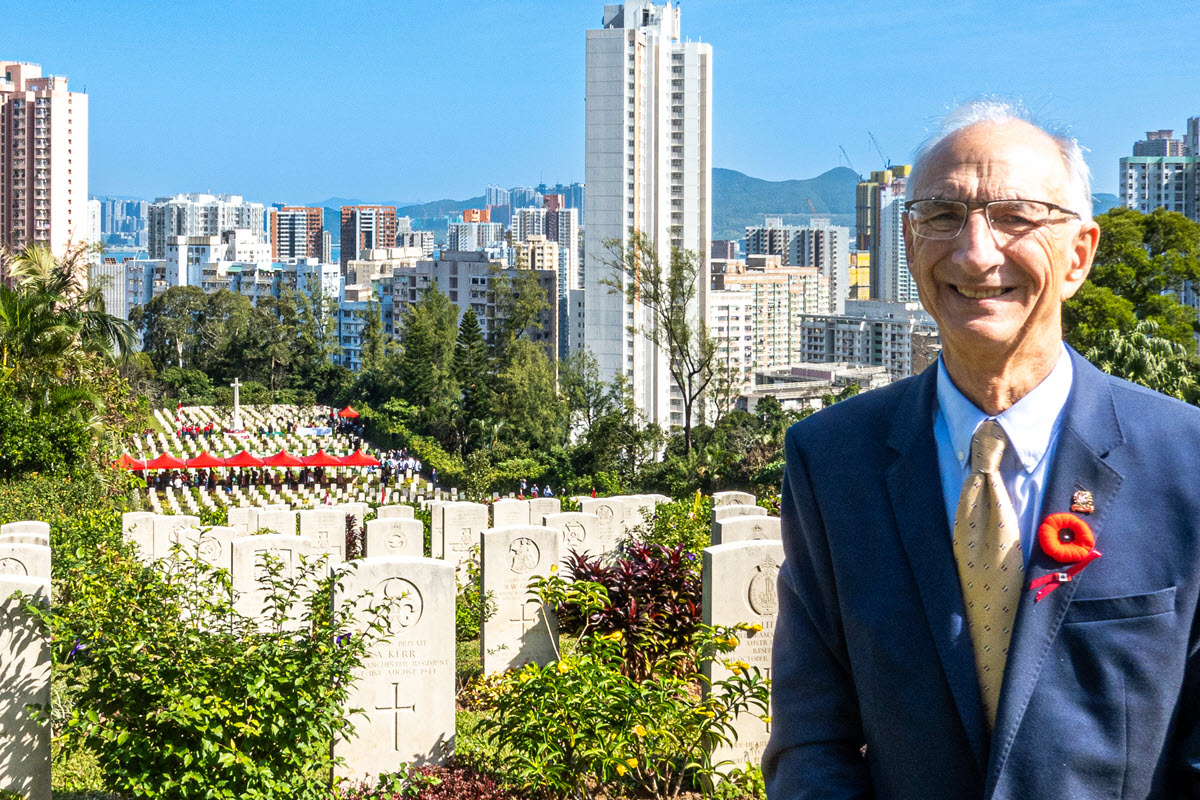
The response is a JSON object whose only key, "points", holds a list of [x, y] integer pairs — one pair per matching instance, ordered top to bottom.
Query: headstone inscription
{"points": [[541, 507], [508, 512], [610, 517], [462, 524], [326, 527], [168, 529], [745, 529], [579, 533], [395, 536], [25, 538], [25, 561], [249, 573], [739, 586], [522, 630], [25, 678], [406, 684]]}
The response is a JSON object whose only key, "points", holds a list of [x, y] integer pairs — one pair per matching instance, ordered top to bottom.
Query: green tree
{"points": [[1144, 260], [669, 297], [520, 299], [170, 325], [427, 350], [1144, 357], [472, 369], [588, 397], [526, 398]]}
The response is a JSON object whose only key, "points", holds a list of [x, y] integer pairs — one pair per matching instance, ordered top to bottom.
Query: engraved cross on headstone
{"points": [[525, 619], [389, 700]]}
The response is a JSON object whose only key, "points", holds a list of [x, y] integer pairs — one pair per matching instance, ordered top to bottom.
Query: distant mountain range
{"points": [[738, 200]]}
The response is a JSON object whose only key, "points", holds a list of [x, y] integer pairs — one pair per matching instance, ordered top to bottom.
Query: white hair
{"points": [[994, 109]]}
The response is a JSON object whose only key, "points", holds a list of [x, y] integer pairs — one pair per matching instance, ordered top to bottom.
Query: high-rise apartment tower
{"points": [[43, 160], [648, 165], [1163, 173], [366, 228], [297, 232]]}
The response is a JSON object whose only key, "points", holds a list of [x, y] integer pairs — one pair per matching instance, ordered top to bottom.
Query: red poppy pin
{"points": [[1068, 540]]}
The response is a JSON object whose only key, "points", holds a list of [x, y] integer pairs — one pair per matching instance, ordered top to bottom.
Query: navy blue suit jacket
{"points": [[1101, 693]]}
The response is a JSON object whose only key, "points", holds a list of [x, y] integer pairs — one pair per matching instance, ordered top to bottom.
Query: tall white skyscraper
{"points": [[648, 165]]}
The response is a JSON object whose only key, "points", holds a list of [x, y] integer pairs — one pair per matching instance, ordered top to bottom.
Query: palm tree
{"points": [[1147, 359]]}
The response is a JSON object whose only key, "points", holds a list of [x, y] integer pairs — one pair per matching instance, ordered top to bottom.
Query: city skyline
{"points": [[240, 111]]}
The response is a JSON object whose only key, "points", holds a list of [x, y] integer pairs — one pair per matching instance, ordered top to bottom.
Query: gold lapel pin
{"points": [[1082, 502]]}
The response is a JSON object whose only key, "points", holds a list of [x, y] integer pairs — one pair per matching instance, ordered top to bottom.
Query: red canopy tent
{"points": [[348, 412], [243, 459], [283, 459], [322, 459], [359, 459], [205, 460], [127, 461], [166, 461]]}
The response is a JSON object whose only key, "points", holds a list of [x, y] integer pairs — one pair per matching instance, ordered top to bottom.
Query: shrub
{"points": [[686, 523], [652, 599], [471, 607], [179, 696], [582, 725]]}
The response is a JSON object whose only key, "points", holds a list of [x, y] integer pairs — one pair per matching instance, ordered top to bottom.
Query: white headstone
{"points": [[733, 499], [542, 507], [359, 510], [389, 512], [508, 512], [725, 512], [610, 517], [244, 518], [277, 522], [462, 524], [26, 526], [137, 527], [326, 527], [168, 528], [745, 529], [437, 532], [580, 533], [395, 536], [25, 538], [211, 545], [25, 561], [248, 572], [739, 586], [522, 630], [24, 681], [405, 685]]}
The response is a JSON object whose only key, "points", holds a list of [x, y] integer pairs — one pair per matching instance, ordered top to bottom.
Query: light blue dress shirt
{"points": [[1031, 424]]}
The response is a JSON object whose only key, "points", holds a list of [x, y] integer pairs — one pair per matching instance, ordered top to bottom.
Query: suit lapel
{"points": [[1090, 430], [917, 501]]}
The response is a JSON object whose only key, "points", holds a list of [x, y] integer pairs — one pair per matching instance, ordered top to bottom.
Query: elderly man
{"points": [[930, 643]]}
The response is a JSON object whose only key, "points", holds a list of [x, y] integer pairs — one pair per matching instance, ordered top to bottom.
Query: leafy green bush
{"points": [[686, 523], [652, 599], [471, 607], [179, 696], [580, 725]]}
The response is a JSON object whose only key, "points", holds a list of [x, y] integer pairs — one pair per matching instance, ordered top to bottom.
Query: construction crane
{"points": [[879, 150], [849, 164]]}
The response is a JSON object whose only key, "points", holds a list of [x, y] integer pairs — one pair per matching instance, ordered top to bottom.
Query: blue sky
{"points": [[298, 101]]}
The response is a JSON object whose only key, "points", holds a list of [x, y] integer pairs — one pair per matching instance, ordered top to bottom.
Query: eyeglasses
{"points": [[945, 219]]}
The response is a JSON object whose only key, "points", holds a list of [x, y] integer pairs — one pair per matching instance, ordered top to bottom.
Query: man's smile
{"points": [[981, 293]]}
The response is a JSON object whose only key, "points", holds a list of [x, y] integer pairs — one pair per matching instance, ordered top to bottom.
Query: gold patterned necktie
{"points": [[987, 549]]}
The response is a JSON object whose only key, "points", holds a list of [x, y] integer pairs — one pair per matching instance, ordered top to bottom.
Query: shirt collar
{"points": [[1029, 423]]}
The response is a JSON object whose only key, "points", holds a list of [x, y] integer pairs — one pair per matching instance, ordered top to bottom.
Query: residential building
{"points": [[43, 160], [648, 164], [1163, 173], [496, 196], [199, 215], [474, 215], [123, 222], [366, 228], [297, 232], [879, 232], [471, 236], [420, 239], [818, 244], [724, 249], [860, 276], [466, 278], [871, 332]]}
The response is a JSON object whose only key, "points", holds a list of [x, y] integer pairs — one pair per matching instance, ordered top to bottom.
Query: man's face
{"points": [[997, 303]]}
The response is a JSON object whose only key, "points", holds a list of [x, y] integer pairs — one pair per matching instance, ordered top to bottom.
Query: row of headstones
{"points": [[24, 659], [407, 685]]}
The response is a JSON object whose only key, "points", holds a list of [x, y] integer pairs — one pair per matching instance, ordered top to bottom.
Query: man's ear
{"points": [[1083, 250]]}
